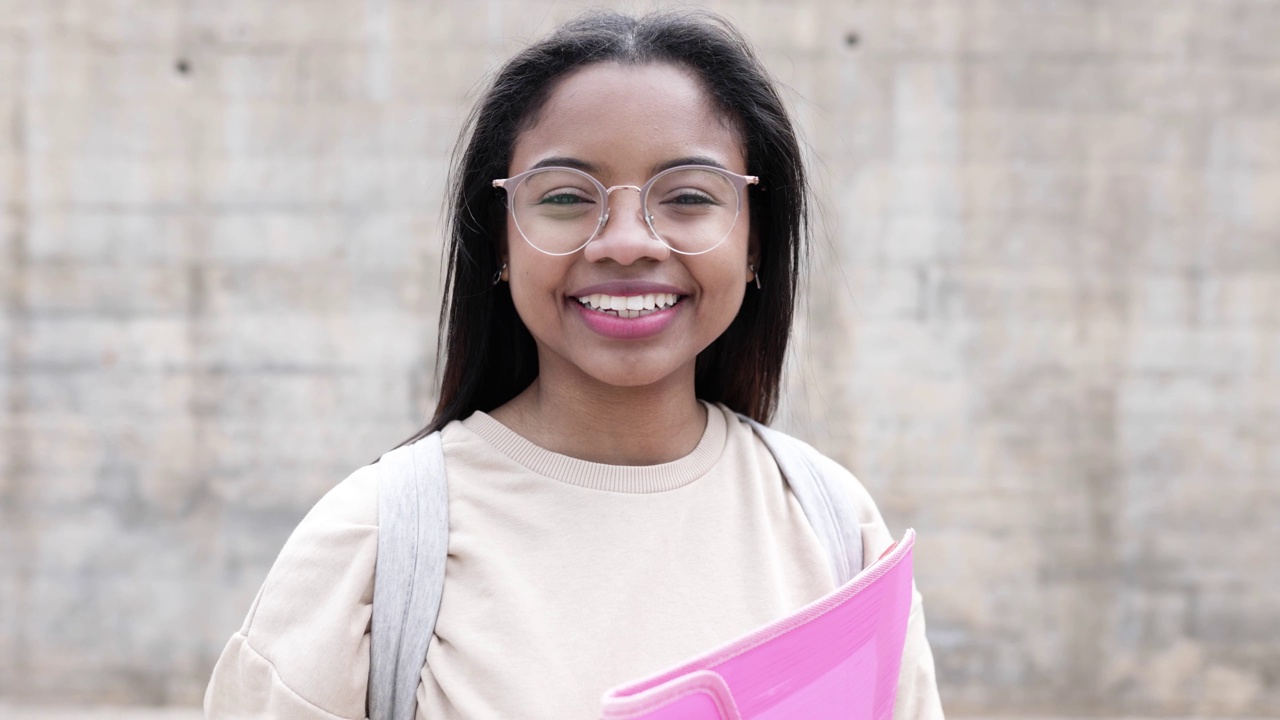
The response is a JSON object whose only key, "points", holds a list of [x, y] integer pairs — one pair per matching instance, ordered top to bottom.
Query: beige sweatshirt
{"points": [[564, 578]]}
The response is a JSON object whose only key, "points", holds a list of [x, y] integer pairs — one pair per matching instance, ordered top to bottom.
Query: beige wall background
{"points": [[1043, 324]]}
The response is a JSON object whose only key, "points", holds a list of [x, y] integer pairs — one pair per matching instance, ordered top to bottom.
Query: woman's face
{"points": [[623, 124]]}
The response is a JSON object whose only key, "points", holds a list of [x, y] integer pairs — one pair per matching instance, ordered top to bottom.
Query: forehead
{"points": [[624, 119]]}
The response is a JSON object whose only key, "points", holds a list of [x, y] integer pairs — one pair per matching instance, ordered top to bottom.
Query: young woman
{"points": [[628, 221]]}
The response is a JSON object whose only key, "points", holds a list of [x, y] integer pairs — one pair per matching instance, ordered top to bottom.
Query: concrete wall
{"points": [[1044, 324]]}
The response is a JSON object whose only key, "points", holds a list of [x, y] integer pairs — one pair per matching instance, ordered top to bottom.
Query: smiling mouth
{"points": [[629, 306]]}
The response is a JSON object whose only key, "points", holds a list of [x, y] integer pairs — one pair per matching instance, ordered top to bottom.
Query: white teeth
{"points": [[629, 306]]}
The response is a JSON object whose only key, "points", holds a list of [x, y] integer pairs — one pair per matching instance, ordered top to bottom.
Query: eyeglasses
{"points": [[689, 208]]}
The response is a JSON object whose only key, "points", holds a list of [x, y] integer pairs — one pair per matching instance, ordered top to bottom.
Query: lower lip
{"points": [[620, 328]]}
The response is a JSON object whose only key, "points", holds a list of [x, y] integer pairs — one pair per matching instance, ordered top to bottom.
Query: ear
{"points": [[753, 257]]}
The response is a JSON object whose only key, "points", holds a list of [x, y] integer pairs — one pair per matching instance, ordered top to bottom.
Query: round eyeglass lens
{"points": [[692, 209], [557, 211]]}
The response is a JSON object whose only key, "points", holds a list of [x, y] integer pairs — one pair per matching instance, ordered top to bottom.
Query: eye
{"points": [[689, 196], [564, 197]]}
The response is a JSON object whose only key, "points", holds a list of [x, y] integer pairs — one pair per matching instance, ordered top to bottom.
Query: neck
{"points": [[607, 424]]}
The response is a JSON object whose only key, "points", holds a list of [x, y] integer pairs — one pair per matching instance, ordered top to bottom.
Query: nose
{"points": [[625, 237]]}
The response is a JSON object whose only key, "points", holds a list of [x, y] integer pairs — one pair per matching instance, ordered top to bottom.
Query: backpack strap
{"points": [[817, 482], [413, 546]]}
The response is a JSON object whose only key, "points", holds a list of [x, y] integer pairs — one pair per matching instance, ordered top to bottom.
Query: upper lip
{"points": [[624, 288]]}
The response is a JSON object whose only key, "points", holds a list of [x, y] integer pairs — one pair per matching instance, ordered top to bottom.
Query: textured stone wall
{"points": [[1043, 327]]}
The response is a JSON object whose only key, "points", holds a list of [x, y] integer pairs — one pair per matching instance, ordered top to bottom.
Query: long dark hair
{"points": [[489, 355]]}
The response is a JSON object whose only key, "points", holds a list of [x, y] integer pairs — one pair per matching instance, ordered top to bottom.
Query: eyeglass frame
{"points": [[740, 183]]}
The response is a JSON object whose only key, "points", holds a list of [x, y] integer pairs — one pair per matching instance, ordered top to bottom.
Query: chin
{"points": [[638, 375], [630, 380]]}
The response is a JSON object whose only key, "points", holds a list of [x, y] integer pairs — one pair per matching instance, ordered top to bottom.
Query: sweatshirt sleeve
{"points": [[303, 651], [917, 682]]}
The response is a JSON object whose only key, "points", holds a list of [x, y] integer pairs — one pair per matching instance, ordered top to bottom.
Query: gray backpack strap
{"points": [[817, 481], [413, 546]]}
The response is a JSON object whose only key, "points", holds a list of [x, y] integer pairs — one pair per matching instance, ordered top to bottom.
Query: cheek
{"points": [[732, 267], [535, 281], [726, 284], [532, 315]]}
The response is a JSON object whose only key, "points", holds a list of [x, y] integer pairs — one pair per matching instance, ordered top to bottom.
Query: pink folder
{"points": [[837, 657]]}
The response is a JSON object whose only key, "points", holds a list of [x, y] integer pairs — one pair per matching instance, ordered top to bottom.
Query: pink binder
{"points": [[837, 657]]}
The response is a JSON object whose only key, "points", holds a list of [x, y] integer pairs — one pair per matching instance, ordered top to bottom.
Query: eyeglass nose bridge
{"points": [[608, 207]]}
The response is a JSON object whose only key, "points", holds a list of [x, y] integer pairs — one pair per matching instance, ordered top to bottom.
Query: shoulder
{"points": [[788, 449], [797, 458], [353, 501], [338, 534], [307, 631]]}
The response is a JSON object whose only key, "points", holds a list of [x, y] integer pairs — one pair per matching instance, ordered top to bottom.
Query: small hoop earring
{"points": [[754, 275], [497, 277]]}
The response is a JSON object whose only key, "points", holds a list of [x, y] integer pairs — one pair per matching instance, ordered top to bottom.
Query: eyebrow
{"points": [[691, 160], [568, 162], [591, 168]]}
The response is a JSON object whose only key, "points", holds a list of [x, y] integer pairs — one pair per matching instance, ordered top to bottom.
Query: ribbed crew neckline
{"points": [[601, 476]]}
